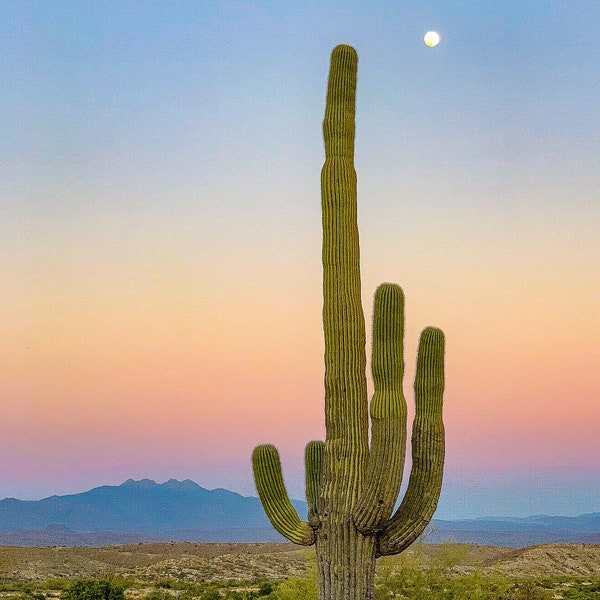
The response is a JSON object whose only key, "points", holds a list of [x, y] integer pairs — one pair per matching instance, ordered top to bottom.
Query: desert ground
{"points": [[36, 573]]}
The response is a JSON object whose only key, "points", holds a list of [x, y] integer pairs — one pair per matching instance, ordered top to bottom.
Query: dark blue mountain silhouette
{"points": [[140, 506], [184, 511]]}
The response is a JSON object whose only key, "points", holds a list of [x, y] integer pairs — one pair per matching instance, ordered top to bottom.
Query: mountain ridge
{"points": [[143, 506], [185, 511]]}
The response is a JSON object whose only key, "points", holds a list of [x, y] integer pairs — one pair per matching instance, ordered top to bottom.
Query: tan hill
{"points": [[549, 560], [148, 562], [210, 562]]}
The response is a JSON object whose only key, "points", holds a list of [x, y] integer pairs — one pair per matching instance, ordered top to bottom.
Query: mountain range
{"points": [[141, 511], [518, 532]]}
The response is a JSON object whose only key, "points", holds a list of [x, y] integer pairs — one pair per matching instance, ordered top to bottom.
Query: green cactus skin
{"points": [[388, 414], [313, 460], [352, 488], [273, 495]]}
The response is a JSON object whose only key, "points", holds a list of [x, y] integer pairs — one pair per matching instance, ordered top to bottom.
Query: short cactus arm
{"points": [[388, 413], [313, 460], [424, 486], [274, 497]]}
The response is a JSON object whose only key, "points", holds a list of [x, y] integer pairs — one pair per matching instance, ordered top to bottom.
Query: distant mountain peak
{"points": [[145, 483], [171, 484], [186, 484]]}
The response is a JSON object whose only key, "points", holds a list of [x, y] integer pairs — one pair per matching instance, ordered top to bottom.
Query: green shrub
{"points": [[93, 589], [296, 589], [527, 590], [32, 595]]}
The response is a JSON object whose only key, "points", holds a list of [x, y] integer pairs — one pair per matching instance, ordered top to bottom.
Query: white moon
{"points": [[431, 38]]}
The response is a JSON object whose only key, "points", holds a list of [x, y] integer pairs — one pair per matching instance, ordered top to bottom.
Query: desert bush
{"points": [[434, 576], [55, 583], [166, 584], [265, 588], [568, 588], [93, 589], [296, 589], [527, 590], [201, 591], [31, 594]]}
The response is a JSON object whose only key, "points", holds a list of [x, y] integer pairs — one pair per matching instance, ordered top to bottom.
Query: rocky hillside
{"points": [[549, 560], [149, 562], [209, 562]]}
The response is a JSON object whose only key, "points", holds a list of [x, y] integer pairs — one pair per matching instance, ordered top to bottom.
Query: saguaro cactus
{"points": [[352, 487]]}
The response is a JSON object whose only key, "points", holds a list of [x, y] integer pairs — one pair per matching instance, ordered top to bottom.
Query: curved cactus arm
{"points": [[388, 413], [313, 460], [425, 483], [274, 497]]}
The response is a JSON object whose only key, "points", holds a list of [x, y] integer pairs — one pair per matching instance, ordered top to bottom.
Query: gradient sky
{"points": [[160, 236]]}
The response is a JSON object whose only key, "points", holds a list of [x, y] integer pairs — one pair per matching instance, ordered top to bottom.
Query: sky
{"points": [[160, 239]]}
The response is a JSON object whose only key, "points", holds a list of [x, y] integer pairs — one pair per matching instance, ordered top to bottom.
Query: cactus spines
{"points": [[352, 487]]}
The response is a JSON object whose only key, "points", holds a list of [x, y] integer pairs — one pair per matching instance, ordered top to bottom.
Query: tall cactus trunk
{"points": [[351, 486], [346, 557]]}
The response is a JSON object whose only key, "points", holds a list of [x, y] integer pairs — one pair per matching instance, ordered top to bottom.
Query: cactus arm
{"points": [[346, 409], [388, 413], [313, 460], [424, 486], [274, 497]]}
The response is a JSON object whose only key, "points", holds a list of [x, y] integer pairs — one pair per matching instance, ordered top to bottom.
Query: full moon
{"points": [[431, 38]]}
